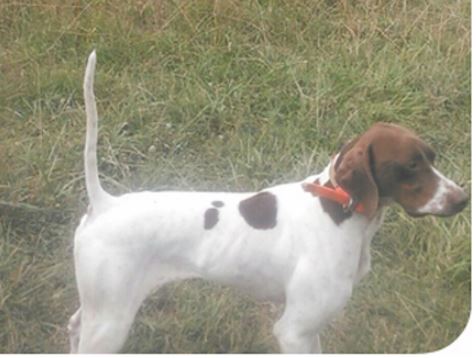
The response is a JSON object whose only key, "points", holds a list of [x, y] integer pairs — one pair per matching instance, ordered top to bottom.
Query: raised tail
{"points": [[98, 198]]}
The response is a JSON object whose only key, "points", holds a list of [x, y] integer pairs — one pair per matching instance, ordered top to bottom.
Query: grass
{"points": [[228, 95]]}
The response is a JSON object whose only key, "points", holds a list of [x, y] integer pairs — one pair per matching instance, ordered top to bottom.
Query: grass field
{"points": [[228, 95]]}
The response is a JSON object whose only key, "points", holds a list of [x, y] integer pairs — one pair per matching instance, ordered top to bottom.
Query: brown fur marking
{"points": [[387, 161], [218, 203], [333, 209], [260, 211], [211, 218]]}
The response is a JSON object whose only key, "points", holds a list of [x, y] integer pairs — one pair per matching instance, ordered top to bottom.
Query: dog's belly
{"points": [[258, 274], [263, 290]]}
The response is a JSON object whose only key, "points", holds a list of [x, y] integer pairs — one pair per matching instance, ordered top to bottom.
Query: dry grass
{"points": [[228, 95]]}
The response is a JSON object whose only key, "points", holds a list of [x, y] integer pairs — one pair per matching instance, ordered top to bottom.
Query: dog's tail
{"points": [[98, 197]]}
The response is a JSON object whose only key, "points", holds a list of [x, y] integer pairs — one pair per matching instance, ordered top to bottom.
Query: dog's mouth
{"points": [[446, 212], [416, 215]]}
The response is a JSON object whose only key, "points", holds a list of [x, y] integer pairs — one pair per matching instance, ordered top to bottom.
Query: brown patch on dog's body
{"points": [[218, 203], [260, 211], [210, 218]]}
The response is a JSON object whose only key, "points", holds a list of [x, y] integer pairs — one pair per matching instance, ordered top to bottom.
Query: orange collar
{"points": [[335, 194]]}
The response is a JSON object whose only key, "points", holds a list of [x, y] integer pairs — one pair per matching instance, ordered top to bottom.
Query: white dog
{"points": [[304, 244]]}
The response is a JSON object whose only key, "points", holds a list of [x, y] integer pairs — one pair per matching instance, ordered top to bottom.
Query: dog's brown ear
{"points": [[353, 172]]}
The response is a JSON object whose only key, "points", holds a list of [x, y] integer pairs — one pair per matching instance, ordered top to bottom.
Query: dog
{"points": [[303, 244]]}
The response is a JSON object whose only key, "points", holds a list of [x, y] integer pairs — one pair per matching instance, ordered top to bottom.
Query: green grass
{"points": [[228, 95]]}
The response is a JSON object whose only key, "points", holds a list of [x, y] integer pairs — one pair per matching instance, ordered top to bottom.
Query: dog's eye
{"points": [[413, 165], [406, 173], [412, 187]]}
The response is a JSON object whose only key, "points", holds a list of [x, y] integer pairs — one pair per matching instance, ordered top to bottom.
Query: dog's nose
{"points": [[456, 202], [460, 202]]}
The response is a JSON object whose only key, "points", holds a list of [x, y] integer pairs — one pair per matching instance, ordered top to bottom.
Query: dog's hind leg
{"points": [[112, 288], [108, 316], [106, 323], [74, 327], [104, 331]]}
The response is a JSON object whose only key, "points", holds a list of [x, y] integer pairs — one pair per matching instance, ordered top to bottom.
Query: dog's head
{"points": [[391, 163]]}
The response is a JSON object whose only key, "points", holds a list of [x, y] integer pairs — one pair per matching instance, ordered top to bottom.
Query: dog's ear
{"points": [[353, 172]]}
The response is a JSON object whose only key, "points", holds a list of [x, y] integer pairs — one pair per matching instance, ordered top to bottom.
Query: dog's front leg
{"points": [[313, 297], [296, 334], [292, 340]]}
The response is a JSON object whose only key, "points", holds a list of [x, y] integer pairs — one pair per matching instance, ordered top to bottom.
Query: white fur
{"points": [[96, 193], [439, 200], [145, 240], [128, 246]]}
